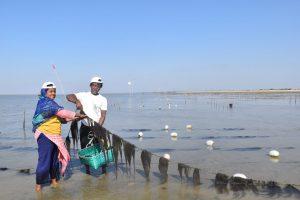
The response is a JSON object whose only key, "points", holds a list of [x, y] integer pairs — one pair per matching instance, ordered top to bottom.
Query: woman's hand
{"points": [[80, 116], [62, 120]]}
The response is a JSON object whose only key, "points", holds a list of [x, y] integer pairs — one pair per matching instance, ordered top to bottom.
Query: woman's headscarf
{"points": [[45, 109]]}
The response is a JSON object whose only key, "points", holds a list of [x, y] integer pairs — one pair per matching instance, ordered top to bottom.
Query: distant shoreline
{"points": [[260, 91]]}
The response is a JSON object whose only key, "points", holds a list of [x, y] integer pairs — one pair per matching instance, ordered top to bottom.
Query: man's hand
{"points": [[72, 98], [79, 105], [102, 118]]}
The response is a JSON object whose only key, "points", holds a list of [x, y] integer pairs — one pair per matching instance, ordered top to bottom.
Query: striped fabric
{"points": [[63, 155]]}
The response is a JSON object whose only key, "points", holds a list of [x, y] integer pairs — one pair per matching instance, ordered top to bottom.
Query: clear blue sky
{"points": [[159, 45]]}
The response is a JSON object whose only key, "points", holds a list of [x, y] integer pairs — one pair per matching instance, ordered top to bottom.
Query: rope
{"points": [[176, 163]]}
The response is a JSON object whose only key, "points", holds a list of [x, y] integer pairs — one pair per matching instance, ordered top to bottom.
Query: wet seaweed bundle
{"points": [[74, 133], [101, 135], [68, 143], [117, 149], [129, 152], [146, 161], [163, 168], [185, 168], [25, 171], [196, 177], [221, 181], [237, 184], [271, 189], [290, 191]]}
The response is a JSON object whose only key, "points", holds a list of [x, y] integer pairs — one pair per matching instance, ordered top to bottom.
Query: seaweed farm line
{"points": [[243, 133]]}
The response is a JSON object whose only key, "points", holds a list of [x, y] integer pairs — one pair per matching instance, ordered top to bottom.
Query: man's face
{"points": [[95, 88]]}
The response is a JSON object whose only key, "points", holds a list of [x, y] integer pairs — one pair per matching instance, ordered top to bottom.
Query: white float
{"points": [[189, 126], [166, 127], [140, 134], [173, 134], [209, 142], [274, 153], [167, 156], [239, 175]]}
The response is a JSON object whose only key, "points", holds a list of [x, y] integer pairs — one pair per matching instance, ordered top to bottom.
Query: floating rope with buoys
{"points": [[222, 182]]}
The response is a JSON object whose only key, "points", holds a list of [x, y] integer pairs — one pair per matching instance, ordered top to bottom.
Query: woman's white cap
{"points": [[96, 79], [48, 85]]}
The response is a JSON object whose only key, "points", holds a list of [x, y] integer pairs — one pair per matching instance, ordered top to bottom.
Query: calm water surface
{"points": [[243, 137]]}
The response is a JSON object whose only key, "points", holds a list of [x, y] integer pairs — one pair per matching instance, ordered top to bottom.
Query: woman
{"points": [[47, 121]]}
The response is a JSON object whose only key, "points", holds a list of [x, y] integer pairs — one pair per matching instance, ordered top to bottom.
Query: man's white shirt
{"points": [[92, 105]]}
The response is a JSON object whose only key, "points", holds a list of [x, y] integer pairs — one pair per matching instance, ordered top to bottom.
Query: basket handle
{"points": [[91, 138]]}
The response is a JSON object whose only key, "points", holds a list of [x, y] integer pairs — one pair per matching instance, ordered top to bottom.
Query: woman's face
{"points": [[51, 93]]}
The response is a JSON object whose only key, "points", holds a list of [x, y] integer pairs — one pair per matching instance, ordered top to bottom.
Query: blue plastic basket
{"points": [[94, 156]]}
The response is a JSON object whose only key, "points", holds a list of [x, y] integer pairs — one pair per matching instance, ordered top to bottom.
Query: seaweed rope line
{"points": [[191, 167], [208, 171]]}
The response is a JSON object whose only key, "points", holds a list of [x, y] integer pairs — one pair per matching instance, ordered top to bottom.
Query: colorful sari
{"points": [[45, 109]]}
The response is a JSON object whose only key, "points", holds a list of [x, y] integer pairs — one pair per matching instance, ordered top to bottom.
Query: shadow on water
{"points": [[233, 129], [136, 130], [232, 137], [5, 147], [244, 149]]}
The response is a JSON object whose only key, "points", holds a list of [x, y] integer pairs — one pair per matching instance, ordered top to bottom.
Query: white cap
{"points": [[96, 79], [48, 85]]}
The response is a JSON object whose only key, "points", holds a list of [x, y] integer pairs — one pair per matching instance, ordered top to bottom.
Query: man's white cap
{"points": [[96, 79], [48, 85]]}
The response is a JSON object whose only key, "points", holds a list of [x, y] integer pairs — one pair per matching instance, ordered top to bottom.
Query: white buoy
{"points": [[189, 126], [166, 127], [140, 134], [173, 134], [209, 142], [274, 153], [167, 156], [239, 175]]}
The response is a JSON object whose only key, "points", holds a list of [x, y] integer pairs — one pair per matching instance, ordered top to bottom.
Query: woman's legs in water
{"points": [[46, 151]]}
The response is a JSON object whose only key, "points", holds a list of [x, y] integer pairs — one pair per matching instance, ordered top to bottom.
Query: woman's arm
{"points": [[66, 114]]}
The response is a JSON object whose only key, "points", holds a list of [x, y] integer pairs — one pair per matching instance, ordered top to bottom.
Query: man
{"points": [[94, 106]]}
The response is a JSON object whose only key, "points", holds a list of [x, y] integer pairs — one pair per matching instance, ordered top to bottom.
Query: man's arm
{"points": [[72, 98], [102, 118]]}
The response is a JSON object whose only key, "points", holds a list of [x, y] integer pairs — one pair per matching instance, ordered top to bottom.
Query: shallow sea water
{"points": [[243, 136]]}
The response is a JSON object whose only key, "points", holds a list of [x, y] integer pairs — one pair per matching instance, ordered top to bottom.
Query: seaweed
{"points": [[74, 133], [102, 137], [68, 143], [117, 148], [129, 152], [146, 161], [163, 168], [180, 168], [186, 168], [24, 171], [187, 171], [196, 177], [221, 181], [237, 184], [272, 189], [291, 190]]}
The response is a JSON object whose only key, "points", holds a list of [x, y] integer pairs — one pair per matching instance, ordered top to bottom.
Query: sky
{"points": [[158, 45]]}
